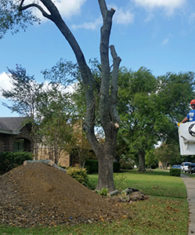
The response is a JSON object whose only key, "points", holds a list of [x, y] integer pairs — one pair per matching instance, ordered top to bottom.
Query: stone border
{"points": [[47, 162]]}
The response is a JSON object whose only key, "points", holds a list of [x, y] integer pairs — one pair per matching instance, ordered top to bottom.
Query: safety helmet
{"points": [[192, 102]]}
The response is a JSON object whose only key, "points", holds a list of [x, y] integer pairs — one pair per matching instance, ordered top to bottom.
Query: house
{"points": [[15, 134]]}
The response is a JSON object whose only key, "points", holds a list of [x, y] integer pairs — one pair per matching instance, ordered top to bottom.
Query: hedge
{"points": [[10, 160], [91, 166], [175, 172]]}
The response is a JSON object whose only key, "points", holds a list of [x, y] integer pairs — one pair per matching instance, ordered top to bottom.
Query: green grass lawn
{"points": [[165, 212]]}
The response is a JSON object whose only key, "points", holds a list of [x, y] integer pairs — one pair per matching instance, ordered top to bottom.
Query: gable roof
{"points": [[12, 125]]}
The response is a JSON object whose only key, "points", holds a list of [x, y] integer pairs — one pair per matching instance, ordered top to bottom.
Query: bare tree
{"points": [[105, 151]]}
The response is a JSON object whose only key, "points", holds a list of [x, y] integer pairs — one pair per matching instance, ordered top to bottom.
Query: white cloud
{"points": [[170, 5], [67, 8], [120, 17], [123, 17], [88, 25], [5, 82], [68, 89]]}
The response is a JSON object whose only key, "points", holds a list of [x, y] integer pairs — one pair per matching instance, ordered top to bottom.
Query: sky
{"points": [[156, 34]]}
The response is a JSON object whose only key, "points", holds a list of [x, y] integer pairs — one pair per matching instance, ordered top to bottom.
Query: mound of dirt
{"points": [[37, 194]]}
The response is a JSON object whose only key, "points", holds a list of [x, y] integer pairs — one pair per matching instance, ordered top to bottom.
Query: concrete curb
{"points": [[190, 187]]}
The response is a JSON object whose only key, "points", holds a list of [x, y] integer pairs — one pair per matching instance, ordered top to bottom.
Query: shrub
{"points": [[10, 160], [91, 166], [116, 167], [175, 172], [80, 174], [103, 192]]}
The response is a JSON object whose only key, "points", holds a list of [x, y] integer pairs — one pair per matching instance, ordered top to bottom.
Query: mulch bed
{"points": [[38, 194]]}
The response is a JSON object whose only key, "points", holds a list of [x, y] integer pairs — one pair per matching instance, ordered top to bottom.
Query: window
{"points": [[19, 145]]}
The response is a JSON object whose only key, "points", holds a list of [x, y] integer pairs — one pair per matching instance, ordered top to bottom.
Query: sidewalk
{"points": [[190, 186]]}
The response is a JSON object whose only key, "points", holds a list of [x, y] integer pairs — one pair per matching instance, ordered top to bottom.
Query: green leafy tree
{"points": [[12, 19], [65, 77], [175, 92], [24, 94], [24, 97], [49, 110], [149, 110], [137, 112], [56, 115], [168, 154], [151, 159]]}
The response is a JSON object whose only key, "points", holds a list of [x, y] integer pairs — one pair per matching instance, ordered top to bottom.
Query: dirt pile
{"points": [[37, 194]]}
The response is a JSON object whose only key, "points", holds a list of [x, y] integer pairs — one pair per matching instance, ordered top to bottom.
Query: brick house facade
{"points": [[15, 134]]}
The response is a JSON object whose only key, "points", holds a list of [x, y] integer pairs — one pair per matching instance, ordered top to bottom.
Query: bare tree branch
{"points": [[21, 4], [103, 7], [44, 13], [105, 65], [114, 87]]}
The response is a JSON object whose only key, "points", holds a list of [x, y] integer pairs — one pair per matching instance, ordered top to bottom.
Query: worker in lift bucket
{"points": [[191, 115]]}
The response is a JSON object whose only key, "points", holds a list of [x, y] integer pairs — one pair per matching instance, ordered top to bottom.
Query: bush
{"points": [[10, 160], [91, 166], [116, 167], [175, 172], [80, 174], [103, 192]]}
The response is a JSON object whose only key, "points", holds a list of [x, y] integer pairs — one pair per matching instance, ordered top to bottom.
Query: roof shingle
{"points": [[12, 124]]}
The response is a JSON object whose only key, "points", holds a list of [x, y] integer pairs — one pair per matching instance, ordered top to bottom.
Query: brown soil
{"points": [[37, 194]]}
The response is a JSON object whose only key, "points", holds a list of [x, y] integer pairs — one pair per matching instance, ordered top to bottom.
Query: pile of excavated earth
{"points": [[38, 194]]}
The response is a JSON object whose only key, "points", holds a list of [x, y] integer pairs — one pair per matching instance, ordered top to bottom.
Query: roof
{"points": [[12, 125]]}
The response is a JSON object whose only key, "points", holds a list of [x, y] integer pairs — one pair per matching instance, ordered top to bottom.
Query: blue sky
{"points": [[156, 34]]}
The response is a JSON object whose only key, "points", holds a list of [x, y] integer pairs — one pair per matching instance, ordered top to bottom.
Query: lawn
{"points": [[165, 212]]}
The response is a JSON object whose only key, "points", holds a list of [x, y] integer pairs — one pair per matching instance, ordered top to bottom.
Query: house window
{"points": [[19, 145]]}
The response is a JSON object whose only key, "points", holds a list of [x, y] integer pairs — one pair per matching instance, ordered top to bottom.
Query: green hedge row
{"points": [[10, 160], [92, 166], [175, 172]]}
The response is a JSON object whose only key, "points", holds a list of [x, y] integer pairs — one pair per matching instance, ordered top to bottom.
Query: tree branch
{"points": [[21, 4], [103, 7], [44, 13], [105, 65], [87, 76], [114, 85]]}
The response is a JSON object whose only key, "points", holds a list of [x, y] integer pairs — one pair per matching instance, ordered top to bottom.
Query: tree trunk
{"points": [[56, 154], [141, 157], [105, 172]]}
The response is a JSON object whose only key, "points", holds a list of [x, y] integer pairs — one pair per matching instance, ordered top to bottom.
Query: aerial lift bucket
{"points": [[187, 138]]}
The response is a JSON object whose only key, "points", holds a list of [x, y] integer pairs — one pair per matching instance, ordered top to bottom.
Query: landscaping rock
{"points": [[47, 162], [129, 190], [114, 193], [131, 194], [135, 196]]}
